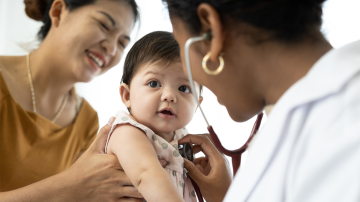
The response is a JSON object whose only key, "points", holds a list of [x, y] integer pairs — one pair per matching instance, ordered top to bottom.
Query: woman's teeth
{"points": [[97, 60]]}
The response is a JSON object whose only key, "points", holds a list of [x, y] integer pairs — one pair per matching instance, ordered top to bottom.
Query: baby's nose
{"points": [[169, 96]]}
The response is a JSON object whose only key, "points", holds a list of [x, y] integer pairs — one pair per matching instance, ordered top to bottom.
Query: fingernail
{"points": [[111, 121]]}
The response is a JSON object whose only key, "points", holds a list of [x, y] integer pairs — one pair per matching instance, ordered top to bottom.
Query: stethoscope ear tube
{"points": [[234, 154]]}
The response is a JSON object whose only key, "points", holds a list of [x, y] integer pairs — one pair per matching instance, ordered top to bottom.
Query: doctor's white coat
{"points": [[309, 149]]}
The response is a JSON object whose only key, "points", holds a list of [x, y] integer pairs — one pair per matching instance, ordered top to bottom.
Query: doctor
{"points": [[274, 53]]}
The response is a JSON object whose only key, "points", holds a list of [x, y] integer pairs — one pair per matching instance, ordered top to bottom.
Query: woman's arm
{"points": [[140, 162], [211, 173], [95, 176]]}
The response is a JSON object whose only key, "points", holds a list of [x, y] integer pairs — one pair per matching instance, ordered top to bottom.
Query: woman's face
{"points": [[91, 39], [234, 86]]}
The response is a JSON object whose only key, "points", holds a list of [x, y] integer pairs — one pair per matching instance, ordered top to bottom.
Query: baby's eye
{"points": [[154, 84], [184, 89]]}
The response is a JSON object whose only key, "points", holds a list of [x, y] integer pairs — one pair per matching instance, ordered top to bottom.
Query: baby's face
{"points": [[161, 98]]}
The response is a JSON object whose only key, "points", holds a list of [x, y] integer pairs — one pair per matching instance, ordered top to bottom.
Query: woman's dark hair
{"points": [[39, 10], [288, 20], [157, 47]]}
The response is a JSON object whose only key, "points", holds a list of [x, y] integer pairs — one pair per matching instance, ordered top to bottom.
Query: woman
{"points": [[274, 53], [44, 126]]}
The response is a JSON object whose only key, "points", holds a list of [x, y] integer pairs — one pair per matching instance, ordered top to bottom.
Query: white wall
{"points": [[341, 26]]}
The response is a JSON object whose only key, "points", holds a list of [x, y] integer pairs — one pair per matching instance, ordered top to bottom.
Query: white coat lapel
{"points": [[327, 76], [262, 151]]}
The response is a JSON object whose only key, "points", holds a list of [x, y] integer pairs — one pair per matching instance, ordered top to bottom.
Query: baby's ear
{"points": [[125, 94], [201, 99]]}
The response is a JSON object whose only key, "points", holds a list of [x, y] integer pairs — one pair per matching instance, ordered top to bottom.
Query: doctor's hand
{"points": [[211, 173]]}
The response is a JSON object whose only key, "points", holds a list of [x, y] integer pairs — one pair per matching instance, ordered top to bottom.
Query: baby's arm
{"points": [[139, 161]]}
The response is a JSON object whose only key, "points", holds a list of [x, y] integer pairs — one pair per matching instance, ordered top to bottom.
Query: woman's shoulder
{"points": [[12, 62], [12, 69], [86, 110], [87, 116]]}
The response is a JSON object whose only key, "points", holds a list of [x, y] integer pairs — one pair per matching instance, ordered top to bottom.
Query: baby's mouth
{"points": [[167, 113]]}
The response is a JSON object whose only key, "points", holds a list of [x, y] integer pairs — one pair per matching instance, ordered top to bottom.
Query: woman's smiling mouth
{"points": [[96, 59]]}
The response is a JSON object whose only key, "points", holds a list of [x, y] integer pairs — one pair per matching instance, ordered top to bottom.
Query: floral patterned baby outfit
{"points": [[164, 150]]}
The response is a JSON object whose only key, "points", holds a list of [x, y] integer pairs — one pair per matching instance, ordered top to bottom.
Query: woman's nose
{"points": [[110, 46], [168, 96]]}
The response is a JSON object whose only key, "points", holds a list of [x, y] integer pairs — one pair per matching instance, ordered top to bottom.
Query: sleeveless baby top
{"points": [[164, 150]]}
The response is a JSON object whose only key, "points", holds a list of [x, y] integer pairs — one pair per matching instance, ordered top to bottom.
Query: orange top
{"points": [[33, 148]]}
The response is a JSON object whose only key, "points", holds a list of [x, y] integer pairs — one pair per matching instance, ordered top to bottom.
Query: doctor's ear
{"points": [[56, 11], [212, 29], [125, 95]]}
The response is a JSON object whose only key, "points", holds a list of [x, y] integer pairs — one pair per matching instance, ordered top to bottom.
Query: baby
{"points": [[158, 97]]}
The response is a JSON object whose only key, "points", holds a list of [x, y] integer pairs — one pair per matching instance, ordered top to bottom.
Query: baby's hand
{"points": [[163, 162]]}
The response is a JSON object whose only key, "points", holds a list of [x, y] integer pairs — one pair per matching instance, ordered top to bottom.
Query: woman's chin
{"points": [[85, 77]]}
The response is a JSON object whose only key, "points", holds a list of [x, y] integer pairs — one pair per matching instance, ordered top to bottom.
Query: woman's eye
{"points": [[104, 26], [122, 44], [154, 84], [184, 89]]}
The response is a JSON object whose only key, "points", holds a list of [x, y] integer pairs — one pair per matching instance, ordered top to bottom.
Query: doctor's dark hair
{"points": [[39, 11], [287, 20], [158, 48]]}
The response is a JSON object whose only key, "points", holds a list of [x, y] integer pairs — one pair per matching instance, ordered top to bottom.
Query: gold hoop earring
{"points": [[216, 71]]}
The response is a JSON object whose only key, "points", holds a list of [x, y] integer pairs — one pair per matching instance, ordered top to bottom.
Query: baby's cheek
{"points": [[140, 107], [188, 113]]}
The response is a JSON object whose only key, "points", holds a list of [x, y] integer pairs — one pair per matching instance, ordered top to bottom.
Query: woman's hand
{"points": [[211, 173], [95, 176]]}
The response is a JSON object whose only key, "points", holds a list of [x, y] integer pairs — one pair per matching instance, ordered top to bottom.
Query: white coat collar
{"points": [[326, 77]]}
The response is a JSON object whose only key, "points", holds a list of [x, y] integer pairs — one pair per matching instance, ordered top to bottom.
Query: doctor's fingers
{"points": [[205, 145], [196, 149], [202, 164], [194, 172], [213, 181]]}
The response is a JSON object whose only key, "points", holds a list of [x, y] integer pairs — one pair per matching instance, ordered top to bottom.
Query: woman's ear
{"points": [[56, 12], [210, 20], [125, 95]]}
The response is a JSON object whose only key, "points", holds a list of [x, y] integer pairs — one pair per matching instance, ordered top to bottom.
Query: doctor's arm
{"points": [[211, 173]]}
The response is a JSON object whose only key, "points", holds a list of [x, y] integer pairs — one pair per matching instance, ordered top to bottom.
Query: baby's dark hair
{"points": [[157, 47]]}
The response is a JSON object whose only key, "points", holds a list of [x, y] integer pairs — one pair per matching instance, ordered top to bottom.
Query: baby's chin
{"points": [[169, 130]]}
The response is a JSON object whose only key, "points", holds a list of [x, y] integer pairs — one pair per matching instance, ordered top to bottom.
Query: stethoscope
{"points": [[234, 154]]}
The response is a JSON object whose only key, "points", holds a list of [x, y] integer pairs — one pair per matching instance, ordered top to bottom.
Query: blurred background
{"points": [[18, 36]]}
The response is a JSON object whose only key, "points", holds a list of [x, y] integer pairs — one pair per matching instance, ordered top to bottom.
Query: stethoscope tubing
{"points": [[234, 154]]}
